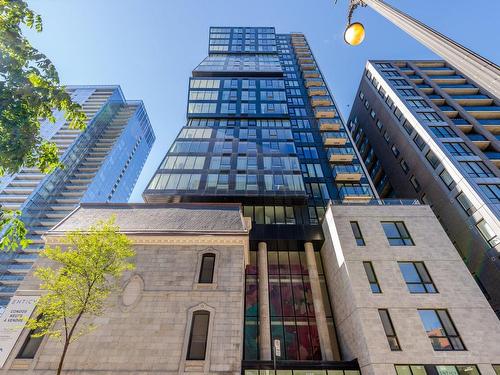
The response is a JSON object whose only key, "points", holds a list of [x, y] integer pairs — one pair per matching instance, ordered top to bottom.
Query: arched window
{"points": [[207, 268], [198, 335]]}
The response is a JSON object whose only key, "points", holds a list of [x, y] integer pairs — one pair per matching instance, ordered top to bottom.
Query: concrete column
{"points": [[479, 69], [319, 309], [264, 316]]}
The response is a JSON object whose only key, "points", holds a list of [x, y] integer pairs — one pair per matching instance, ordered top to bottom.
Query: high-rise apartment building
{"points": [[263, 130], [426, 131], [102, 164]]}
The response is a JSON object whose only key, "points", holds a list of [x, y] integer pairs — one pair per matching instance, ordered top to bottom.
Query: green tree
{"points": [[29, 91], [12, 231], [78, 281]]}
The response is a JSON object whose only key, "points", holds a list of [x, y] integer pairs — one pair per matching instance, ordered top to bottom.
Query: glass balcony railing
{"points": [[445, 76], [314, 82], [458, 86], [317, 90], [458, 97], [321, 100], [447, 108], [486, 108], [325, 112], [329, 124], [476, 137], [334, 138], [340, 154], [492, 155], [347, 172], [348, 193], [11, 278], [8, 289]]}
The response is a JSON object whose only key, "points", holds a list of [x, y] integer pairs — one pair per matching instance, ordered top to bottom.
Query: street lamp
{"points": [[354, 33]]}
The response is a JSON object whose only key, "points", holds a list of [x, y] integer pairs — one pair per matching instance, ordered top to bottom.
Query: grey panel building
{"points": [[426, 131], [102, 164]]}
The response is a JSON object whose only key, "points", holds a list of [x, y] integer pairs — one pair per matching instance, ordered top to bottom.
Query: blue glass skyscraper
{"points": [[101, 164]]}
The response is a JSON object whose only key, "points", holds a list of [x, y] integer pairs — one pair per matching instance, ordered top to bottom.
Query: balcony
{"points": [[299, 42], [301, 49], [303, 53], [306, 60], [311, 66], [442, 71], [311, 74], [452, 79], [314, 82], [465, 89], [317, 90], [321, 100], [471, 100], [448, 110], [325, 112], [484, 112], [329, 124], [492, 126], [334, 138], [479, 140], [340, 155], [494, 156], [347, 173], [355, 193]]}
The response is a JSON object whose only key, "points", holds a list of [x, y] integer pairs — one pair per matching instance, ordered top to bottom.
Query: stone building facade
{"points": [[356, 305], [147, 328]]}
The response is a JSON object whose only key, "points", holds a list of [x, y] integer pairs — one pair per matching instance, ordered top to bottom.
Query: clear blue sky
{"points": [[149, 47]]}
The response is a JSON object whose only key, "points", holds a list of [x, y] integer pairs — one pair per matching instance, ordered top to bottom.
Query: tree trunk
{"points": [[63, 355]]}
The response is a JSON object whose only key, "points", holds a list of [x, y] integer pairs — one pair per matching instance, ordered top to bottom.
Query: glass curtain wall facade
{"points": [[263, 130], [426, 131], [101, 164]]}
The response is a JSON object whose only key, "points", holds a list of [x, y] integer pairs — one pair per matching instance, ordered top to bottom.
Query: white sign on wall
{"points": [[12, 322]]}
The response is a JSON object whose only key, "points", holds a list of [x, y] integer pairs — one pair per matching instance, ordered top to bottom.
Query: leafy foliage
{"points": [[29, 91], [15, 231], [78, 284]]}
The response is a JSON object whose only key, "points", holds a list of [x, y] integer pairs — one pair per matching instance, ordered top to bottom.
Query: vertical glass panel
{"points": [[259, 215], [272, 260], [284, 263], [295, 268], [251, 296], [275, 296], [287, 297], [299, 297], [251, 334], [198, 336], [291, 339], [304, 340]]}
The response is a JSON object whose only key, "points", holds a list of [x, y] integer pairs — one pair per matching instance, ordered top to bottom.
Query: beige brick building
{"points": [[359, 327]]}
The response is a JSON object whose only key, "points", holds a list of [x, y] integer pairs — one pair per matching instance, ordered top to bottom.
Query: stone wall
{"points": [[359, 328], [146, 330]]}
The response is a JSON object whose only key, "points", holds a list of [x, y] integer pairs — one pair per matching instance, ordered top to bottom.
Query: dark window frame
{"points": [[358, 235], [403, 239], [207, 268], [372, 278], [425, 281], [390, 332], [190, 355]]}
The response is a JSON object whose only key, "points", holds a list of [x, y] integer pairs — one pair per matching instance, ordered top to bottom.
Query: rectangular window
{"points": [[418, 103], [429, 116], [442, 132], [419, 141], [458, 149], [395, 150], [432, 159], [404, 166], [476, 169], [446, 178], [414, 182], [492, 192], [465, 203], [357, 233], [488, 233], [397, 234], [207, 268], [416, 277], [372, 278], [389, 330], [441, 330], [198, 336], [30, 345]]}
